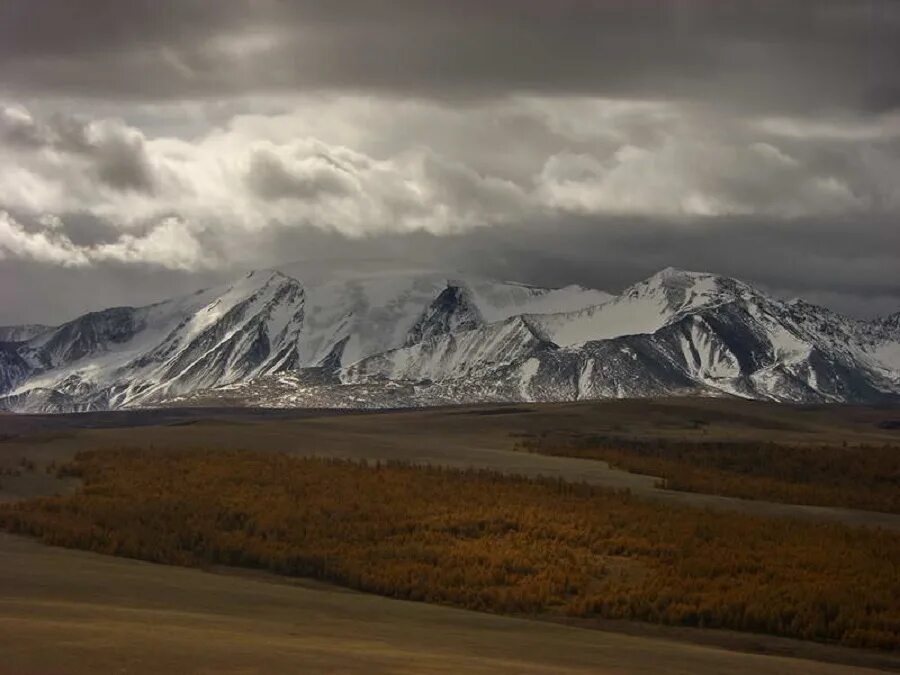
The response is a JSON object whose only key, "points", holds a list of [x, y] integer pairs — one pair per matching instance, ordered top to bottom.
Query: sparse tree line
{"points": [[862, 477], [479, 540]]}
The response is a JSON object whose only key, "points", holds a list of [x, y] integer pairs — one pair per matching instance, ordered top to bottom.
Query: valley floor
{"points": [[476, 436], [64, 611]]}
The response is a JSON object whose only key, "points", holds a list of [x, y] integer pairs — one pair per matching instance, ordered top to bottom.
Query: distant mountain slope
{"points": [[22, 332], [375, 335]]}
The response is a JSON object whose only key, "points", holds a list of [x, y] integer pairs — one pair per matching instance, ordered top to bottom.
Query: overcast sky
{"points": [[149, 147]]}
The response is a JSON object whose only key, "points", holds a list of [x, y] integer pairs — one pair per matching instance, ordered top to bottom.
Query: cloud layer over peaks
{"points": [[587, 141]]}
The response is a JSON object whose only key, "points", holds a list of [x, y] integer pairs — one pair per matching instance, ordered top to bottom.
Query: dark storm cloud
{"points": [[771, 54], [149, 147], [851, 267]]}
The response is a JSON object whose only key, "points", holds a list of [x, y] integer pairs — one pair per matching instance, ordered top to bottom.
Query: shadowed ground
{"points": [[65, 611]]}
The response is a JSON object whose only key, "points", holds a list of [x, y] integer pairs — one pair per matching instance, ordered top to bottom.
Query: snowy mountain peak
{"points": [[676, 277], [678, 286], [453, 310], [892, 321], [376, 333]]}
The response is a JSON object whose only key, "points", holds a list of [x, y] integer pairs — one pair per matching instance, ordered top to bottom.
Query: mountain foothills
{"points": [[302, 335]]}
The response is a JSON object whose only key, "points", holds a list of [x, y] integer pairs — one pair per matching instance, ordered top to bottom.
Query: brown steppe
{"points": [[65, 611]]}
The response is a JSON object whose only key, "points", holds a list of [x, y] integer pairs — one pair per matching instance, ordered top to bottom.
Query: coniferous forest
{"points": [[861, 476], [479, 540]]}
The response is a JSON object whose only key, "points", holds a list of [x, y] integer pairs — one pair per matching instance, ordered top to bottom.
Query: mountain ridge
{"points": [[373, 335]]}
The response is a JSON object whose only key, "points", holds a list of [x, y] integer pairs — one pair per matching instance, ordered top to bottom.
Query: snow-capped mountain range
{"points": [[376, 336]]}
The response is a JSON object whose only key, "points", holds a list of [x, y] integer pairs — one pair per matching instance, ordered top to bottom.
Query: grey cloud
{"points": [[768, 54], [18, 129], [577, 141], [117, 153], [582, 160], [122, 163], [311, 178], [474, 196], [82, 228], [168, 243], [851, 266], [29, 290]]}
